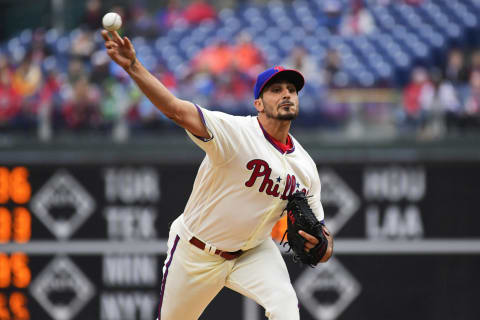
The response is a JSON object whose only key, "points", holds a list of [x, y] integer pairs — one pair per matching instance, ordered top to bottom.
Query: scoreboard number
{"points": [[14, 185], [16, 227], [14, 270], [13, 307]]}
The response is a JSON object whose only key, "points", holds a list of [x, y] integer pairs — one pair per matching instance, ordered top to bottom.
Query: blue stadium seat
{"points": [[302, 9], [225, 14], [383, 19], [259, 23], [309, 23], [234, 25], [177, 32], [298, 33], [322, 33], [273, 34], [405, 35], [51, 36], [26, 37], [432, 37], [139, 41], [160, 43], [14, 44], [286, 44], [62, 45], [168, 51], [192, 51], [272, 54], [148, 60], [172, 61], [49, 63], [351, 63], [366, 78], [342, 79]]}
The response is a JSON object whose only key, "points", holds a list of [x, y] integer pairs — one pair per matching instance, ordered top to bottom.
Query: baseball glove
{"points": [[301, 217]]}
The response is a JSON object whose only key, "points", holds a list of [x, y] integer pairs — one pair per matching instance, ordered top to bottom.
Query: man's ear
{"points": [[258, 103]]}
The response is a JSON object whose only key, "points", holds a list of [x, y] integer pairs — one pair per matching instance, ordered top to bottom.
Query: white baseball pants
{"points": [[193, 277]]}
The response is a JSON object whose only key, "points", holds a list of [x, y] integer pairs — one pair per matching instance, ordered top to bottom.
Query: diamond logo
{"points": [[336, 193], [62, 204], [62, 289], [326, 291]]}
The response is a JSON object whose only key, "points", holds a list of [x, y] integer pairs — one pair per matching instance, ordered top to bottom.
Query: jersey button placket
{"points": [[284, 170]]}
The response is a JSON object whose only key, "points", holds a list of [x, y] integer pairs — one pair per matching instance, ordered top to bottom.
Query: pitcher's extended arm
{"points": [[182, 112]]}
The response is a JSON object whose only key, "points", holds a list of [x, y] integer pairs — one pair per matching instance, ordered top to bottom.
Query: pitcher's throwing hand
{"points": [[120, 50]]}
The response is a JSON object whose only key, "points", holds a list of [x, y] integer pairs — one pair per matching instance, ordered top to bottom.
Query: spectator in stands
{"points": [[381, 2], [388, 2], [414, 2], [125, 11], [198, 11], [93, 14], [170, 15], [333, 15], [358, 20], [143, 23], [82, 45], [38, 47], [246, 55], [216, 58], [300, 60], [475, 60], [99, 67], [332, 67], [6, 70], [75, 70], [456, 71], [225, 72], [28, 77], [27, 81], [198, 85], [233, 90], [118, 98], [443, 98], [10, 99], [417, 99], [315, 100], [471, 102], [49, 103], [318, 104], [81, 106], [447, 107], [150, 117]]}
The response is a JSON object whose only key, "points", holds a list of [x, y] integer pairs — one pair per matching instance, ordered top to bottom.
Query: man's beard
{"points": [[281, 116], [289, 116]]}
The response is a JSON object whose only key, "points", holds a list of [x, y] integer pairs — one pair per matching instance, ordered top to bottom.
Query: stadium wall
{"points": [[404, 218]]}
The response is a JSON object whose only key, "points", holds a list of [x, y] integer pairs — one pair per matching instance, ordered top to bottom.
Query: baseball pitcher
{"points": [[253, 173]]}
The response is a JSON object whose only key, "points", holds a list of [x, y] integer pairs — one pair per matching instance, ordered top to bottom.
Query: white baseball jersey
{"points": [[243, 182]]}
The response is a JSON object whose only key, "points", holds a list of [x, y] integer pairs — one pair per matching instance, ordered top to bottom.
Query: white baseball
{"points": [[112, 21]]}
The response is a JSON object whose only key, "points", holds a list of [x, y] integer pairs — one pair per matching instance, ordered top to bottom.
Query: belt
{"points": [[224, 254]]}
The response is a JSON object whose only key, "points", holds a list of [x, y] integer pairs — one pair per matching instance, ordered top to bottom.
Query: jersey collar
{"points": [[289, 147]]}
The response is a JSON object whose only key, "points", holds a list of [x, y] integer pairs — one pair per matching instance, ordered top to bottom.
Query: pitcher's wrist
{"points": [[132, 65]]}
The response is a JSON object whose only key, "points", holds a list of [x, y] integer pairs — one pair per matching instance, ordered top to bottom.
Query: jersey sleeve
{"points": [[223, 131], [315, 200]]}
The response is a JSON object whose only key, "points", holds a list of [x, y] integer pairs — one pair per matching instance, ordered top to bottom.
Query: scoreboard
{"points": [[16, 226], [73, 234], [88, 241]]}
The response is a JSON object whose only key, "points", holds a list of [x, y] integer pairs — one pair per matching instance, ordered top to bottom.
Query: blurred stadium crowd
{"points": [[407, 67]]}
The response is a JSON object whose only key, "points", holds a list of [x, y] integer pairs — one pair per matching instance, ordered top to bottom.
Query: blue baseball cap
{"points": [[268, 75]]}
